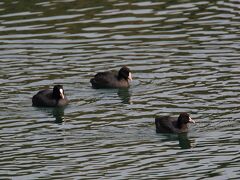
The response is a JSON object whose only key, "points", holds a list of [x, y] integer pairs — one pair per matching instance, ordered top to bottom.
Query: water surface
{"points": [[184, 56]]}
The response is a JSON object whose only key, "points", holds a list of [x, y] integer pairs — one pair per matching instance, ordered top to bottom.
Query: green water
{"points": [[184, 56]]}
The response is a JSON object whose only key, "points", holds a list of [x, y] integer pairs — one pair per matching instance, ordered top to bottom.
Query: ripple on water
{"points": [[184, 57]]}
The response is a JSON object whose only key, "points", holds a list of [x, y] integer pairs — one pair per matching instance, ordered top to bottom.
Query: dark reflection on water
{"points": [[184, 56], [125, 95], [56, 112], [182, 138], [185, 142]]}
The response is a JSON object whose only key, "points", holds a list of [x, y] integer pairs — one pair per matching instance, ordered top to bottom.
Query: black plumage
{"points": [[112, 79], [50, 98], [167, 124]]}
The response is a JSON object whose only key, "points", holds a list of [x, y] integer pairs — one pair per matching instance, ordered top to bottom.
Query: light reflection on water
{"points": [[184, 57]]}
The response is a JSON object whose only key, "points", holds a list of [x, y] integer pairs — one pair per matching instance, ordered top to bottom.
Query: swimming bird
{"points": [[112, 79], [50, 98], [167, 124]]}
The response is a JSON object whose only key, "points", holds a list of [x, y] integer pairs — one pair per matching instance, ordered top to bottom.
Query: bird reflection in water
{"points": [[125, 95], [58, 114], [182, 138], [185, 142]]}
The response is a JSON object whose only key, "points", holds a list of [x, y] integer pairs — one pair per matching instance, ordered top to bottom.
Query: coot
{"points": [[112, 79], [50, 98], [167, 124]]}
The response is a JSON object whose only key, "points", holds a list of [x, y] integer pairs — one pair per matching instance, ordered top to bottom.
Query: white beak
{"points": [[130, 76], [61, 93], [191, 120]]}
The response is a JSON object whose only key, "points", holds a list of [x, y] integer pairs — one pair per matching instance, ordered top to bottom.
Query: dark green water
{"points": [[184, 56]]}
